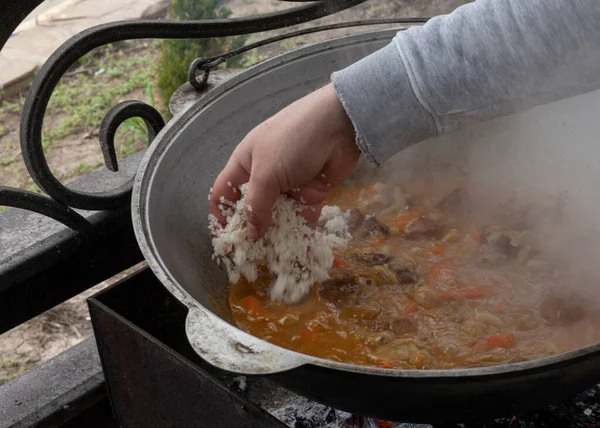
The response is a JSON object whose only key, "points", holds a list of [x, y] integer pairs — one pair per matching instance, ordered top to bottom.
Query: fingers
{"points": [[227, 186], [263, 190], [310, 194], [313, 195], [312, 214]]}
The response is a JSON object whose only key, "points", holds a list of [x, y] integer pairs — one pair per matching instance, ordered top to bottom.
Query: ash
{"points": [[302, 413]]}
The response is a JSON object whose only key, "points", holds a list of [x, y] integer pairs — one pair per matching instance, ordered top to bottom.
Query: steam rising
{"points": [[547, 157]]}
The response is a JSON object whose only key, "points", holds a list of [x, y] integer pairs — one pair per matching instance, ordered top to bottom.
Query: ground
{"points": [[99, 81]]}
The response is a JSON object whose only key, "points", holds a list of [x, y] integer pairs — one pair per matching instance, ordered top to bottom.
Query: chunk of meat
{"points": [[455, 203], [355, 219], [361, 226], [372, 226], [422, 227], [500, 240], [489, 257], [371, 259], [405, 270], [381, 274], [407, 276], [341, 291], [561, 308], [398, 326], [402, 326]]}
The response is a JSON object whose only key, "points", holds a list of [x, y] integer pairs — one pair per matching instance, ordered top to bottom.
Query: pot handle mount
{"points": [[228, 348]]}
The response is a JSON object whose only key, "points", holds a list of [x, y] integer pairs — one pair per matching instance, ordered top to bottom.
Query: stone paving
{"points": [[34, 41]]}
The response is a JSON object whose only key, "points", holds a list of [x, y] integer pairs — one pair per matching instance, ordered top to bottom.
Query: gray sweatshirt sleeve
{"points": [[486, 59]]}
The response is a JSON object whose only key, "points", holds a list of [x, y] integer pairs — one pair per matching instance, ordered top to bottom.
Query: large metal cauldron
{"points": [[553, 147]]}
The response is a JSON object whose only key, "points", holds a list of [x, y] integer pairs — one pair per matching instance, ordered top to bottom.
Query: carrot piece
{"points": [[402, 220], [476, 236], [438, 251], [338, 262], [441, 272], [477, 292], [474, 304], [253, 306], [410, 309], [501, 340], [386, 365]]}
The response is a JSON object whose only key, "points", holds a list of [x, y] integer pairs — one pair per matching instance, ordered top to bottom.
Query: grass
{"points": [[289, 44], [251, 58], [85, 101], [11, 107], [131, 132], [6, 161], [15, 368]]}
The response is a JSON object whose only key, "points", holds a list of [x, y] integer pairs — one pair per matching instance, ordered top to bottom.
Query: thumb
{"points": [[263, 190]]}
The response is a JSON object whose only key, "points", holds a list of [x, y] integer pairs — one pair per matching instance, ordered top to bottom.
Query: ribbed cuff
{"points": [[379, 99]]}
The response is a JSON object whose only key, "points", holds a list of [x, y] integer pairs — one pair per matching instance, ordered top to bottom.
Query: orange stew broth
{"points": [[457, 314]]}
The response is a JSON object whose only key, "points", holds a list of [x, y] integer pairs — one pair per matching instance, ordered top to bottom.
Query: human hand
{"points": [[308, 145]]}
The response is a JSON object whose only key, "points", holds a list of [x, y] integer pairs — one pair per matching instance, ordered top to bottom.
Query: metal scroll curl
{"points": [[65, 56]]}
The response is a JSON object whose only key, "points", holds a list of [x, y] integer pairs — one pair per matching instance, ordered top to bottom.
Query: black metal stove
{"points": [[154, 377]]}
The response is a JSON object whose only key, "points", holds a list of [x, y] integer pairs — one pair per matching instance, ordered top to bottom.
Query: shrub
{"points": [[176, 55]]}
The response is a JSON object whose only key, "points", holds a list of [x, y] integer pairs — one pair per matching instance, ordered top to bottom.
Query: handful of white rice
{"points": [[295, 254]]}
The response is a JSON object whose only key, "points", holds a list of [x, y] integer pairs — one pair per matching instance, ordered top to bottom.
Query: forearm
{"points": [[486, 59]]}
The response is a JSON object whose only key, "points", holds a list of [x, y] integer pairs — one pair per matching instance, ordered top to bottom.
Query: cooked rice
{"points": [[294, 253]]}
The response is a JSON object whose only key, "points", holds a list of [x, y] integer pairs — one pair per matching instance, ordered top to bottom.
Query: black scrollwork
{"points": [[119, 114]]}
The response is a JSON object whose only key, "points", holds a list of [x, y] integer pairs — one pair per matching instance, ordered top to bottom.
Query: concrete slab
{"points": [[31, 46], [15, 75]]}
